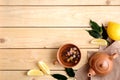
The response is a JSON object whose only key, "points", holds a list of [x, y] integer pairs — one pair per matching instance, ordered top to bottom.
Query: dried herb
{"points": [[70, 72], [59, 76]]}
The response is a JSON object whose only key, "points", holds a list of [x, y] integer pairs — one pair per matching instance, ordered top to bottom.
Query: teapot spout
{"points": [[91, 72]]}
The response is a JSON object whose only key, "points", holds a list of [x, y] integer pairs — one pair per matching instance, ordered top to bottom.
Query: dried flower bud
{"points": [[75, 48]]}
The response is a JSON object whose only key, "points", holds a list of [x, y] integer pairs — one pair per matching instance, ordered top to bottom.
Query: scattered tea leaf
{"points": [[94, 33], [70, 72], [59, 76]]}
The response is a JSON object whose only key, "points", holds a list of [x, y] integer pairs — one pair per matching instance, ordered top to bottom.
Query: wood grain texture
{"points": [[60, 2], [57, 16], [33, 30], [44, 37], [25, 59], [22, 75]]}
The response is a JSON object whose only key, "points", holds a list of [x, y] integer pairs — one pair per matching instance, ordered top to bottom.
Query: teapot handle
{"points": [[114, 55]]}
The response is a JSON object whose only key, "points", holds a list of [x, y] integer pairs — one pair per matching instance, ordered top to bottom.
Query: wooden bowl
{"points": [[68, 55]]}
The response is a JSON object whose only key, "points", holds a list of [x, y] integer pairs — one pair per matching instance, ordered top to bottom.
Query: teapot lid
{"points": [[102, 65]]}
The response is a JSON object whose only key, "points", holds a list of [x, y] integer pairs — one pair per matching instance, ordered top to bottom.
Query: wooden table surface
{"points": [[33, 30]]}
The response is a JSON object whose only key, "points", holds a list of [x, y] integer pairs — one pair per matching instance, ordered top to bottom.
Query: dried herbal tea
{"points": [[70, 56]]}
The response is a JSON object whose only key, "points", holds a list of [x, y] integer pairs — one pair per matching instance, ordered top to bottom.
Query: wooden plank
{"points": [[60, 2], [60, 16], [44, 37], [25, 59], [21, 75]]}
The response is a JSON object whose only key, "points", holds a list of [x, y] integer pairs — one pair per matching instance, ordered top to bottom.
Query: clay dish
{"points": [[68, 55]]}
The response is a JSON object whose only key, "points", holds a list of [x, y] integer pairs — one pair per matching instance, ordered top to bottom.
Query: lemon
{"points": [[113, 30], [99, 42], [44, 67], [34, 72], [71, 78]]}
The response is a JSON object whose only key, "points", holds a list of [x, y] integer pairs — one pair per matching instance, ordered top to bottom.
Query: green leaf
{"points": [[95, 26], [100, 30], [94, 33], [104, 33], [70, 72], [59, 76]]}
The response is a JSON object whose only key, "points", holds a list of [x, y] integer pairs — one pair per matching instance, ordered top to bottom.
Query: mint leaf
{"points": [[95, 26], [94, 33], [70, 72], [59, 76]]}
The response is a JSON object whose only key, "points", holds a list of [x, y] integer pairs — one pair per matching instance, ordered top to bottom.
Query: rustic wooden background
{"points": [[33, 30]]}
